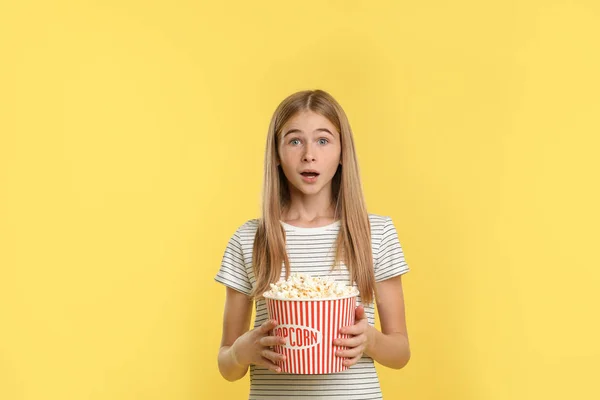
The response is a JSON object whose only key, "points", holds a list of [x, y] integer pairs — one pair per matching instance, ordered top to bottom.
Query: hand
{"points": [[357, 344], [253, 347]]}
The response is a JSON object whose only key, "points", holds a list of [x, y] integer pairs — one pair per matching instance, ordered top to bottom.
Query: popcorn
{"points": [[304, 287], [309, 312]]}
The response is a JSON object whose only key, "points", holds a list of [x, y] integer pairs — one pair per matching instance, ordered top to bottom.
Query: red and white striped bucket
{"points": [[309, 327]]}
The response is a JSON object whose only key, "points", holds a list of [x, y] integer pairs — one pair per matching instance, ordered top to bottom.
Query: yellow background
{"points": [[131, 148]]}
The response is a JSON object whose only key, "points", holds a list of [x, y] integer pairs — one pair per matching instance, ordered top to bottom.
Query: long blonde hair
{"points": [[354, 239]]}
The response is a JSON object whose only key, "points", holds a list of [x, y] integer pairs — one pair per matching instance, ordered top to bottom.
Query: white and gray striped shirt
{"points": [[311, 251]]}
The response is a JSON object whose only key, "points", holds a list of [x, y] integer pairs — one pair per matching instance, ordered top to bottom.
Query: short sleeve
{"points": [[390, 257], [233, 269]]}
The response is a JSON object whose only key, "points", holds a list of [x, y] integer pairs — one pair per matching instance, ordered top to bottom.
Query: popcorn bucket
{"points": [[309, 327]]}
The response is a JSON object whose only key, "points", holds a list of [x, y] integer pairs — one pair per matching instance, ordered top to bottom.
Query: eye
{"points": [[295, 141], [323, 141]]}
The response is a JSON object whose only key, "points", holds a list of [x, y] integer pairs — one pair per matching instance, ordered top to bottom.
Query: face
{"points": [[309, 150]]}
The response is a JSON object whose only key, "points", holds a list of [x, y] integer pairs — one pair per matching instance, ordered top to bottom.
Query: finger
{"points": [[360, 312], [268, 325], [354, 330], [269, 341], [350, 342], [350, 353], [272, 356], [351, 361], [265, 362]]}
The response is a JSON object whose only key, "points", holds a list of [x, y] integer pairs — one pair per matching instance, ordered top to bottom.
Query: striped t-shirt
{"points": [[311, 251]]}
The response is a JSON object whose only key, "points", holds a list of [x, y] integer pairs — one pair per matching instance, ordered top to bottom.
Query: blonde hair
{"points": [[354, 239]]}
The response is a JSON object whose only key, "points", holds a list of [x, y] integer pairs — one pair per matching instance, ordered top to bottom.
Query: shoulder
{"points": [[378, 222], [249, 226], [382, 227], [246, 230]]}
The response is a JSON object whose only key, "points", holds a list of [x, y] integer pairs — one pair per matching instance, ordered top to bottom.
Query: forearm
{"points": [[391, 350], [229, 366]]}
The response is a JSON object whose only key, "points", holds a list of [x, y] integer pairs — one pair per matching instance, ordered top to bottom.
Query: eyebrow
{"points": [[316, 130]]}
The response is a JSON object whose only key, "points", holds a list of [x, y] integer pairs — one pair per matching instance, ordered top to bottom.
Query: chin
{"points": [[307, 190], [312, 190]]}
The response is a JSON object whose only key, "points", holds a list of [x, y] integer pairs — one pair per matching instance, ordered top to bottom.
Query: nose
{"points": [[308, 155]]}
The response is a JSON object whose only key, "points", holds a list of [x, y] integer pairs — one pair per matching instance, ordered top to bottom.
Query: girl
{"points": [[314, 221]]}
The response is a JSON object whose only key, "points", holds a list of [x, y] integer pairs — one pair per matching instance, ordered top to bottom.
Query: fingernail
{"points": [[278, 370]]}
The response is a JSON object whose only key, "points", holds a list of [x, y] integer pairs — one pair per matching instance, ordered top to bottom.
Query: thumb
{"points": [[360, 312], [267, 326]]}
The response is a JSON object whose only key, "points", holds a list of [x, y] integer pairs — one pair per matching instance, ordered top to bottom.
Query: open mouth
{"points": [[310, 174]]}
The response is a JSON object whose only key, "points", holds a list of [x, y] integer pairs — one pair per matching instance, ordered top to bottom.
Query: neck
{"points": [[310, 208]]}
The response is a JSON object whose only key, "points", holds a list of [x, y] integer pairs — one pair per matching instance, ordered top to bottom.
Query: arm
{"points": [[236, 321], [240, 347], [389, 347]]}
